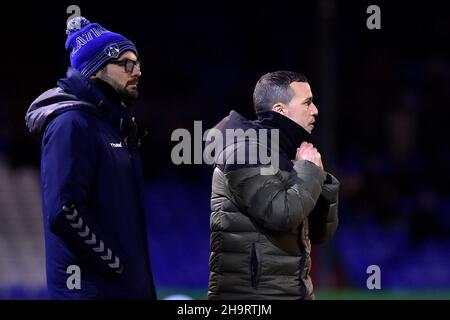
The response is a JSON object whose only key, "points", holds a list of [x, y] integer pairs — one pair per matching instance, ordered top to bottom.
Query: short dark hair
{"points": [[273, 87]]}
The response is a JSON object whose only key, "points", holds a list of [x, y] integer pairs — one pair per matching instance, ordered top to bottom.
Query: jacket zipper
{"points": [[254, 267]]}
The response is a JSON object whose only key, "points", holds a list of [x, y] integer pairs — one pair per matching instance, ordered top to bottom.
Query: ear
{"points": [[98, 73], [279, 107]]}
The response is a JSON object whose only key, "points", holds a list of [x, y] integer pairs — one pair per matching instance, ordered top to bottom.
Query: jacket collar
{"points": [[98, 93], [107, 102], [291, 134]]}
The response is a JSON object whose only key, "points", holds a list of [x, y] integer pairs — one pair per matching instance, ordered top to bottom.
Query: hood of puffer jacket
{"points": [[75, 92], [47, 106]]}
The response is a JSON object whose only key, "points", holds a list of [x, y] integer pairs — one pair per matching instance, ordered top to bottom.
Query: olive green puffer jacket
{"points": [[263, 225]]}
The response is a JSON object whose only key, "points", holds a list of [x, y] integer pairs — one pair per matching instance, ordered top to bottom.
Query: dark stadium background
{"points": [[383, 128]]}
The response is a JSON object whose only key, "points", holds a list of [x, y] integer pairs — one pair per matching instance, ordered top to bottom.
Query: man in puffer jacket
{"points": [[91, 175], [263, 223]]}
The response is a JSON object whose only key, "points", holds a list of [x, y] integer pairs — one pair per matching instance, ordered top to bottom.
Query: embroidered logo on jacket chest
{"points": [[116, 145]]}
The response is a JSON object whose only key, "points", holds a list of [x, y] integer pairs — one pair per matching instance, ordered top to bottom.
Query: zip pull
{"points": [[125, 137]]}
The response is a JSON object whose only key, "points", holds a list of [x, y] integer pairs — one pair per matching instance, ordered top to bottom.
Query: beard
{"points": [[129, 92]]}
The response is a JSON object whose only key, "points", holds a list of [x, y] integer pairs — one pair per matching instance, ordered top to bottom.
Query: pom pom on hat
{"points": [[76, 24]]}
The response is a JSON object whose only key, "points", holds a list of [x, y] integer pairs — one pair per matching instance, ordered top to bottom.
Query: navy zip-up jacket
{"points": [[92, 193]]}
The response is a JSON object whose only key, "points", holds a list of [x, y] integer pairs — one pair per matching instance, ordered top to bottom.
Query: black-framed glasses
{"points": [[128, 64]]}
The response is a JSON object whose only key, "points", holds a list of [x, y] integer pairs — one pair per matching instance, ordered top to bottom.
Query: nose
{"points": [[136, 72], [314, 110]]}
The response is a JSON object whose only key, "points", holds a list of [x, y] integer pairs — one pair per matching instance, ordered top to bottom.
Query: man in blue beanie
{"points": [[91, 175]]}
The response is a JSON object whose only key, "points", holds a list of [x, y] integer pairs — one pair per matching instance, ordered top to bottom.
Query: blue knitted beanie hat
{"points": [[91, 45]]}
